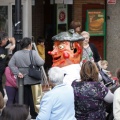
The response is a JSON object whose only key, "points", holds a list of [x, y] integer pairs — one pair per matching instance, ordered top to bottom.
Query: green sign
{"points": [[95, 24]]}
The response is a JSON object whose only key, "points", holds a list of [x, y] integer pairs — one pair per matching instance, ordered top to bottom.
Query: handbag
{"points": [[34, 71], [105, 78]]}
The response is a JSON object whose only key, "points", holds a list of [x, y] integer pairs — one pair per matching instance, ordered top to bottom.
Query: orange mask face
{"points": [[64, 55]]}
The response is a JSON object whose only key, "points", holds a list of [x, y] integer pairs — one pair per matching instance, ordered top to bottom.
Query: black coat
{"points": [[96, 55]]}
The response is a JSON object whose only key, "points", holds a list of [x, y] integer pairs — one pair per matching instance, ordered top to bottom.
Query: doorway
{"points": [[50, 27], [97, 40]]}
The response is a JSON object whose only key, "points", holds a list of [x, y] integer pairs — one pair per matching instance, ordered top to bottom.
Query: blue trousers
{"points": [[12, 94]]}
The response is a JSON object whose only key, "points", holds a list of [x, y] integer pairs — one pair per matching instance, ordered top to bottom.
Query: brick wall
{"points": [[77, 7], [38, 14], [38, 19]]}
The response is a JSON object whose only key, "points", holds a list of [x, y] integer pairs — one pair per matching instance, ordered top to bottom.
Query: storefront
{"points": [[46, 18]]}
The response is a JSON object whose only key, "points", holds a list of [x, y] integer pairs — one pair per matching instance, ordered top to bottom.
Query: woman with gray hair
{"points": [[90, 52], [57, 104]]}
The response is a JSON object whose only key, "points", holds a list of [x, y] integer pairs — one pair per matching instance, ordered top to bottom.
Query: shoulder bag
{"points": [[34, 70], [105, 78]]}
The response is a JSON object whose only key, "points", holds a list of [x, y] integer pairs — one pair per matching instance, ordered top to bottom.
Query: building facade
{"points": [[39, 19]]}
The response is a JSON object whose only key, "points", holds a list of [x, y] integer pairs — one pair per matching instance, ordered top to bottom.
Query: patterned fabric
{"points": [[87, 55], [89, 103]]}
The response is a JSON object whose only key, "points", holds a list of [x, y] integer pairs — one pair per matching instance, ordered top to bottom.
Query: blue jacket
{"points": [[58, 104]]}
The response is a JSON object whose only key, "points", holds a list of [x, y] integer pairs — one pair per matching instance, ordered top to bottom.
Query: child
{"points": [[41, 47], [104, 65], [11, 87]]}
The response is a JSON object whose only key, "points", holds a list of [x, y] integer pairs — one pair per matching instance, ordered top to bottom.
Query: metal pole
{"points": [[18, 22], [18, 37], [20, 91]]}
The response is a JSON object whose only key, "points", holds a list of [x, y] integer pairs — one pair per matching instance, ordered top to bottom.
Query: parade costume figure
{"points": [[67, 53]]}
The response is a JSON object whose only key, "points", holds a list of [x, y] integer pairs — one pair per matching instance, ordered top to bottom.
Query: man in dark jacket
{"points": [[4, 41]]}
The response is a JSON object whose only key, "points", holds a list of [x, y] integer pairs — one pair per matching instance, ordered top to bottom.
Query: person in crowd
{"points": [[76, 25], [4, 41], [41, 47], [90, 52], [67, 54], [19, 64], [104, 65], [117, 81], [11, 87], [90, 94], [116, 100], [1, 101], [57, 104], [109, 107], [15, 112]]}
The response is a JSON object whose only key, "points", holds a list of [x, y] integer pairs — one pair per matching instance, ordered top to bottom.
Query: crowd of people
{"points": [[77, 93]]}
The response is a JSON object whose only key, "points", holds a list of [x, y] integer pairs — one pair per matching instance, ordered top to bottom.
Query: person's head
{"points": [[76, 25], [86, 35], [3, 38], [40, 40], [26, 43], [67, 49], [104, 64], [89, 71], [56, 75], [118, 75], [15, 112]]}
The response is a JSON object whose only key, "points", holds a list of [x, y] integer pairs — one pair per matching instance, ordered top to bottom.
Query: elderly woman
{"points": [[90, 52], [19, 64], [90, 94], [57, 104]]}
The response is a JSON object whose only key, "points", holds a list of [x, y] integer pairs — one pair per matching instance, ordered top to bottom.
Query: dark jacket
{"points": [[96, 55]]}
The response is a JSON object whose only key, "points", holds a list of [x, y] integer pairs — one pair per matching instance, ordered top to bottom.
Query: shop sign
{"points": [[111, 1], [61, 14], [61, 17], [95, 24]]}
